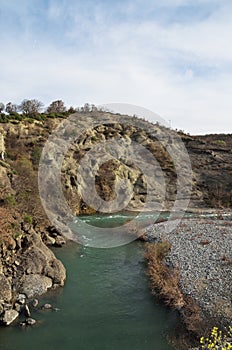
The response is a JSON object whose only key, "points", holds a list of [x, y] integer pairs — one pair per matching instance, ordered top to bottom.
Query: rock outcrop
{"points": [[210, 157], [26, 264]]}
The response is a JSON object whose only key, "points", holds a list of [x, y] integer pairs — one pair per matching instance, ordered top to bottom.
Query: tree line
{"points": [[34, 107]]}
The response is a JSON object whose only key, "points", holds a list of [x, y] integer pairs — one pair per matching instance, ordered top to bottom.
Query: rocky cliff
{"points": [[28, 267]]}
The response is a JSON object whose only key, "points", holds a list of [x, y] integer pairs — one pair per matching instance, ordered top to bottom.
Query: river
{"points": [[106, 304]]}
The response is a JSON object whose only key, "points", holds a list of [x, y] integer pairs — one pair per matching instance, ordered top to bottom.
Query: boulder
{"points": [[50, 240], [37, 259], [56, 272], [33, 285], [9, 317]]}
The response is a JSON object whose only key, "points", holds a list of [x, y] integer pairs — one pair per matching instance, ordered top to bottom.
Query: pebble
{"points": [[202, 249], [35, 302], [47, 307], [30, 321]]}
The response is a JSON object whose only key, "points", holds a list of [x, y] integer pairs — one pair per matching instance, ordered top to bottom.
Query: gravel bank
{"points": [[202, 249]]}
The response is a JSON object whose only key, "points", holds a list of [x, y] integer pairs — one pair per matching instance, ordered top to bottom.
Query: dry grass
{"points": [[164, 280], [165, 283]]}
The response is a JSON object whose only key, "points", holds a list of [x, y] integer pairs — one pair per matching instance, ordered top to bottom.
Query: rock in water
{"points": [[35, 302], [47, 307], [9, 317], [30, 321]]}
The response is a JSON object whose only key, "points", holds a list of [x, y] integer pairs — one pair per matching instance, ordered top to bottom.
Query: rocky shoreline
{"points": [[201, 250], [28, 268]]}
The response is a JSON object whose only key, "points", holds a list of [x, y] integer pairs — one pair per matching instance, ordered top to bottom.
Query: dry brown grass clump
{"points": [[164, 280], [165, 283]]}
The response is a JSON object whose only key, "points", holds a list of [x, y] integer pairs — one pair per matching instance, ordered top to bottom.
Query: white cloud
{"points": [[182, 71]]}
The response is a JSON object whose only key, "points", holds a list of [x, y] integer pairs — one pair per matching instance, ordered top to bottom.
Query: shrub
{"points": [[51, 115], [4, 118], [35, 156], [10, 201], [28, 219], [164, 280]]}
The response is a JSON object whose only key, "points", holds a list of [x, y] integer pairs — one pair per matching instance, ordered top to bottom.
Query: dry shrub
{"points": [[9, 225], [164, 280], [192, 316]]}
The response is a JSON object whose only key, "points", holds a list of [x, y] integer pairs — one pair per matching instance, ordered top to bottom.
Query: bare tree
{"points": [[1, 107], [31, 107], [56, 107], [87, 107], [11, 108], [72, 110]]}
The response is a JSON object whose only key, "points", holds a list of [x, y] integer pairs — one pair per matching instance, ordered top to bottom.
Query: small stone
{"points": [[50, 240], [59, 241], [35, 302], [47, 307], [30, 321]]}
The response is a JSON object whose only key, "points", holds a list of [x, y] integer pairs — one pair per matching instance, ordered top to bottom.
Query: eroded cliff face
{"points": [[210, 157], [123, 170]]}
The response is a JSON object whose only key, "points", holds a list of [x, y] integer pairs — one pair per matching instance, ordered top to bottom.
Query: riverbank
{"points": [[201, 250]]}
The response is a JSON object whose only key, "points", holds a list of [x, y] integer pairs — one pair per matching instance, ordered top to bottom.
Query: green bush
{"points": [[51, 115], [4, 118], [35, 156], [10, 201], [28, 219]]}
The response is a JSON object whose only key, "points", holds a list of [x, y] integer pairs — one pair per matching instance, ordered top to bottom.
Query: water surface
{"points": [[105, 305]]}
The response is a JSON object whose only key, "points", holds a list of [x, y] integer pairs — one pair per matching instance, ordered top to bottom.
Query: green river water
{"points": [[105, 305]]}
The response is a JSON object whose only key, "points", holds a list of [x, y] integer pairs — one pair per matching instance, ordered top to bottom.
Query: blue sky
{"points": [[172, 56]]}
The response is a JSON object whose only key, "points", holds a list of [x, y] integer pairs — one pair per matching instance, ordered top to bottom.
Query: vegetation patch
{"points": [[164, 279]]}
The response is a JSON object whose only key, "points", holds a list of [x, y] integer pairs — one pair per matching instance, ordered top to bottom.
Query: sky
{"points": [[173, 57]]}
